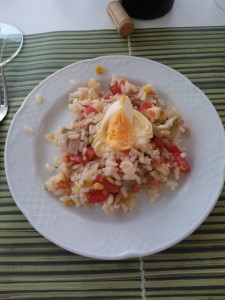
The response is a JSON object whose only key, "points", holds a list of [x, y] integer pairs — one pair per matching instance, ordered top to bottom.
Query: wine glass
{"points": [[11, 41]]}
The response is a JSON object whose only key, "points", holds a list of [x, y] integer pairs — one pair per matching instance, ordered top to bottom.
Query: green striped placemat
{"points": [[31, 267]]}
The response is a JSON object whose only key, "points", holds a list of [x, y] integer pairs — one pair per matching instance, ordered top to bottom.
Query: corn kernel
{"points": [[99, 70], [147, 89], [86, 97], [50, 137], [163, 165], [61, 176], [110, 179], [87, 183], [98, 186], [128, 197], [68, 202]]}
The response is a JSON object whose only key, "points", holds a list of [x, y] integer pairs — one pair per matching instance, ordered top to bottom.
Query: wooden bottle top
{"points": [[120, 18]]}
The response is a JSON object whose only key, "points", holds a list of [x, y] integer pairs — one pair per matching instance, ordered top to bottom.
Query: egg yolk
{"points": [[120, 134]]}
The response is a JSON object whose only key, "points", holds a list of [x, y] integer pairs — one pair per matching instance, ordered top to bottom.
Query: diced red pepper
{"points": [[115, 89], [145, 105], [90, 109], [158, 141], [90, 153], [76, 159], [182, 163], [96, 196]]}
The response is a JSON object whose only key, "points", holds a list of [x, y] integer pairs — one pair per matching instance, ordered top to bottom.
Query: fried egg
{"points": [[122, 128]]}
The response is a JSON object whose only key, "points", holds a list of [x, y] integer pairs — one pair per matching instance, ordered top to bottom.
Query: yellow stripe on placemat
{"points": [[33, 268]]}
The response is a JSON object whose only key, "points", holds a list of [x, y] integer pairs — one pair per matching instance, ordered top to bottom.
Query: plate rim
{"points": [[127, 254]]}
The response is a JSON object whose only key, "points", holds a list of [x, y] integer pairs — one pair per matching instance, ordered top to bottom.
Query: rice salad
{"points": [[118, 142]]}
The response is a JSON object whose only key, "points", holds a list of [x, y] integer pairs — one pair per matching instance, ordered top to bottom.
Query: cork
{"points": [[120, 18]]}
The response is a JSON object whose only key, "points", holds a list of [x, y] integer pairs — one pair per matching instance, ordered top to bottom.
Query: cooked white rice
{"points": [[39, 99], [113, 179]]}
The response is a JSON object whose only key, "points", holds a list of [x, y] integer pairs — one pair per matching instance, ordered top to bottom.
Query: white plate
{"points": [[151, 227]]}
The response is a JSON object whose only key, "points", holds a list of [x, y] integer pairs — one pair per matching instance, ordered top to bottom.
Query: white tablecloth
{"points": [[36, 16]]}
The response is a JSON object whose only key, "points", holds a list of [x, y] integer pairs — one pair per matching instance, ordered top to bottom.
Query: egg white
{"points": [[142, 127]]}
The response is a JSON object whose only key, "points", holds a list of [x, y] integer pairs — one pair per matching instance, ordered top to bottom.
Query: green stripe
{"points": [[31, 267]]}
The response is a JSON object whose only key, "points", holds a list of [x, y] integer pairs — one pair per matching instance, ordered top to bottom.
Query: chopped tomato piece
{"points": [[122, 82], [115, 89], [107, 96], [145, 105], [90, 109], [151, 113], [186, 129], [158, 141], [173, 149], [126, 152], [90, 153], [66, 159], [76, 159], [118, 161], [155, 162], [182, 163], [98, 178], [62, 184], [154, 184], [110, 187], [136, 188], [96, 196]]}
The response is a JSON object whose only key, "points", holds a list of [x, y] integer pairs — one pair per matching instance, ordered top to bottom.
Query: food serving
{"points": [[117, 143]]}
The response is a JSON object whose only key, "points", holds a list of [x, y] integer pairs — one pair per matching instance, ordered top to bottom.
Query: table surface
{"points": [[51, 15], [190, 39]]}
